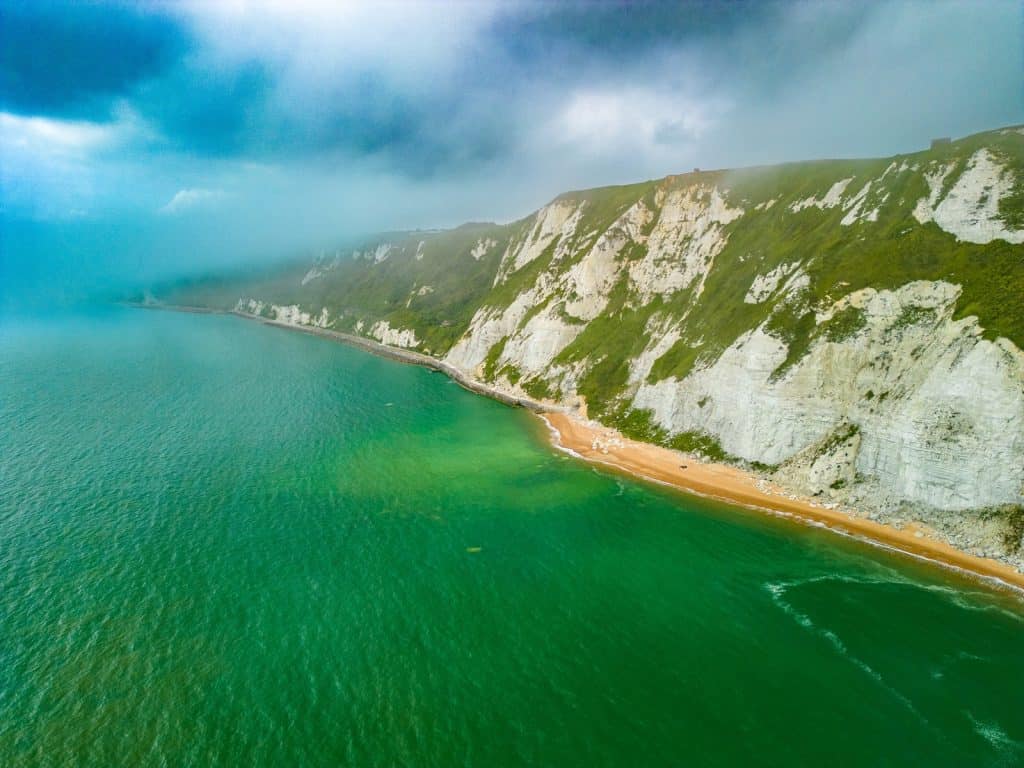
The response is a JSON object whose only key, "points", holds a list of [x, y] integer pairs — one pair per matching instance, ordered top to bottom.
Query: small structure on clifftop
{"points": [[941, 142]]}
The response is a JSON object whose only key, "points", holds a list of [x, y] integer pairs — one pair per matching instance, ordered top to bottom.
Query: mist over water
{"points": [[224, 543]]}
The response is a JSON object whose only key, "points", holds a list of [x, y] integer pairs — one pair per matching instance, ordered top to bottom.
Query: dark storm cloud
{"points": [[625, 27], [757, 42], [70, 59], [83, 61], [516, 66], [203, 111]]}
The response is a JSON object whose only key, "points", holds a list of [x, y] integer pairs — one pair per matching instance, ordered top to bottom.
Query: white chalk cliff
{"points": [[851, 328]]}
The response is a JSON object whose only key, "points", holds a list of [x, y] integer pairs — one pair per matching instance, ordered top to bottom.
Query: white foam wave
{"points": [[777, 590], [993, 734]]}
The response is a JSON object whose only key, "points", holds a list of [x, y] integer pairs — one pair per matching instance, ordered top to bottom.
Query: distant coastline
{"points": [[381, 350], [597, 444]]}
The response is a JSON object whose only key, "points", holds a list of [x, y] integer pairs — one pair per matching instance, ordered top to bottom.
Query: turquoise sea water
{"points": [[228, 544]]}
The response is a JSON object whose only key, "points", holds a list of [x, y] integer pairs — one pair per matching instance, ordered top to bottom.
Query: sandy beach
{"points": [[598, 444]]}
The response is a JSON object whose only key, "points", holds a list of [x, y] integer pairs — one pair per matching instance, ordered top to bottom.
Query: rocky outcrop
{"points": [[970, 209], [554, 223], [688, 234], [289, 314], [394, 337], [939, 410]]}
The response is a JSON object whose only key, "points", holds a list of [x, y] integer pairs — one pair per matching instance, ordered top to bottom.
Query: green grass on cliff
{"points": [[839, 260]]}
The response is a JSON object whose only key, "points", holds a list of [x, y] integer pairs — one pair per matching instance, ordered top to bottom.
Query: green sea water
{"points": [[228, 544]]}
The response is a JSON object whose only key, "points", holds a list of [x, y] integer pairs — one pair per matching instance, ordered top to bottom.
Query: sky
{"points": [[145, 140]]}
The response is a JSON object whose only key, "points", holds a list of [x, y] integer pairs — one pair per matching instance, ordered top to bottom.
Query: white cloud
{"points": [[313, 41], [607, 119], [615, 132], [43, 136], [46, 164], [60, 168], [189, 199]]}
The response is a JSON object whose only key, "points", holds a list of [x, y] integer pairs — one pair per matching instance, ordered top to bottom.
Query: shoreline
{"points": [[380, 350], [417, 358], [597, 444]]}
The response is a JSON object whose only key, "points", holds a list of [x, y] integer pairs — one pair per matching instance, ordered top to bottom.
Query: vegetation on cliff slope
{"points": [[823, 229]]}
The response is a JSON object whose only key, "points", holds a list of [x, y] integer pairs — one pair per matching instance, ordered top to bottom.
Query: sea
{"points": [[229, 544]]}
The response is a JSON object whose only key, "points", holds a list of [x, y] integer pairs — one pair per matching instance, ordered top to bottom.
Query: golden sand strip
{"points": [[598, 444]]}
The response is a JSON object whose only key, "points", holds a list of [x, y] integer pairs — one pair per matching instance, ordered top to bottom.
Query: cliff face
{"points": [[853, 328]]}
